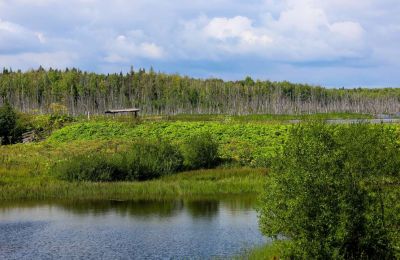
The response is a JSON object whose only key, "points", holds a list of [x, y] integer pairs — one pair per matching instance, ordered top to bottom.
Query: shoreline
{"points": [[194, 184]]}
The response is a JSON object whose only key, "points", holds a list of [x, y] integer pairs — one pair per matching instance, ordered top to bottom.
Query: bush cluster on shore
{"points": [[145, 160], [332, 193]]}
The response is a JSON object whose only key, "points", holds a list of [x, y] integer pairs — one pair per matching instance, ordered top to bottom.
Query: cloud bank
{"points": [[331, 42]]}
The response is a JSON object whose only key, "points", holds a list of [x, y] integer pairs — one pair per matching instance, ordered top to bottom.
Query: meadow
{"points": [[246, 147], [26, 170], [195, 184]]}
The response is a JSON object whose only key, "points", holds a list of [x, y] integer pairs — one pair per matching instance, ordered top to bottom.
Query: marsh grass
{"points": [[183, 185], [271, 251]]}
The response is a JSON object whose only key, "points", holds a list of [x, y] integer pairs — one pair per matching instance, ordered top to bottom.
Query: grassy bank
{"points": [[26, 169], [195, 184], [270, 251]]}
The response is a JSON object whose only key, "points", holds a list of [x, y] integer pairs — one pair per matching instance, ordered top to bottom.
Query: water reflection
{"points": [[140, 208], [197, 208], [203, 208], [200, 229]]}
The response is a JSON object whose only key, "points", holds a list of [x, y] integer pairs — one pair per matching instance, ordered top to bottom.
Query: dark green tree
{"points": [[8, 122], [326, 196]]}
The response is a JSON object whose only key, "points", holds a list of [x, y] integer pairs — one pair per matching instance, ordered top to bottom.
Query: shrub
{"points": [[8, 122], [44, 125], [200, 151], [151, 160], [143, 161], [96, 167], [326, 192]]}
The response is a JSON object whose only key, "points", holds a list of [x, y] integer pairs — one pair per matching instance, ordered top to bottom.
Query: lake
{"points": [[195, 229]]}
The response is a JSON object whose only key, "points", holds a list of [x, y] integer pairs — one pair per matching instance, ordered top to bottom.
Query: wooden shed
{"points": [[135, 111]]}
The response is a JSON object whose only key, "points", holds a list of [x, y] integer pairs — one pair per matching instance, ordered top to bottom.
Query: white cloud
{"points": [[10, 27], [223, 28], [239, 29], [348, 31], [303, 32], [300, 33], [180, 34], [41, 37], [16, 38], [125, 48], [151, 50], [30, 60]]}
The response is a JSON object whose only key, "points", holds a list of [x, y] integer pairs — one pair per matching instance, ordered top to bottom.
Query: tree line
{"points": [[159, 93]]}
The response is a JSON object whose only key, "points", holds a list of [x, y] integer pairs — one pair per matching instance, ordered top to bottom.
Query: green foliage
{"points": [[57, 121], [8, 124], [42, 125], [103, 130], [249, 144], [200, 151], [147, 160], [143, 161], [97, 167], [194, 184], [326, 192], [271, 251]]}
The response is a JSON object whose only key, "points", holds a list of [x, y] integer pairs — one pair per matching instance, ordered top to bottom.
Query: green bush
{"points": [[44, 125], [200, 151], [148, 160], [143, 161], [96, 167], [327, 192]]}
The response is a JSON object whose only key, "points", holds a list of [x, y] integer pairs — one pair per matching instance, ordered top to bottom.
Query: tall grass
{"points": [[143, 161], [92, 167], [193, 184], [272, 251]]}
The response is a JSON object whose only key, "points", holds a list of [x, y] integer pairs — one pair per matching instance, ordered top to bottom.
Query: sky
{"points": [[333, 43]]}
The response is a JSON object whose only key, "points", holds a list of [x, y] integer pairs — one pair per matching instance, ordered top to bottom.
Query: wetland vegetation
{"points": [[326, 191]]}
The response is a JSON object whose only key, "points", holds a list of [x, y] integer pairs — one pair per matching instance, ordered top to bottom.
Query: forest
{"points": [[156, 93]]}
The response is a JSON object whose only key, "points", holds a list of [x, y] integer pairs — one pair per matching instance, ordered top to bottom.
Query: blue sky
{"points": [[333, 43]]}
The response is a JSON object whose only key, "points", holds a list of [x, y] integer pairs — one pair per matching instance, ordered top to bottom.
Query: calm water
{"points": [[128, 230]]}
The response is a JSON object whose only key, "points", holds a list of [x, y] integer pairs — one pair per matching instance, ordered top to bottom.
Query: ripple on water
{"points": [[128, 230], [17, 236]]}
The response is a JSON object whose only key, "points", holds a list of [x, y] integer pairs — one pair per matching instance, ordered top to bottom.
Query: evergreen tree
{"points": [[8, 122]]}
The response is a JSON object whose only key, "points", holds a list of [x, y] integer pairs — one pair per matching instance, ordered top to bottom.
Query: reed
{"points": [[192, 184]]}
